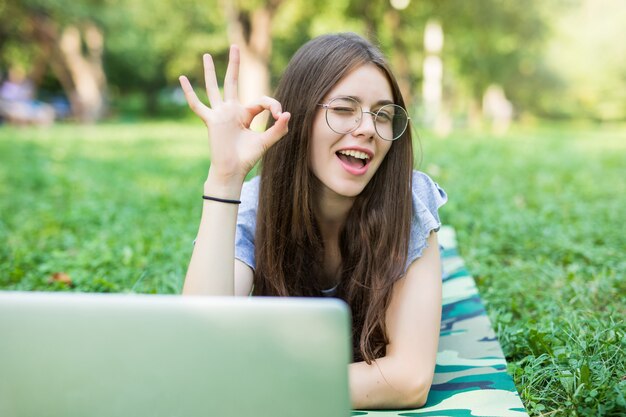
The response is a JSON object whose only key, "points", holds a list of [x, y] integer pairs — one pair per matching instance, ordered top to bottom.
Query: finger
{"points": [[232, 74], [210, 81], [192, 99], [265, 103], [277, 131]]}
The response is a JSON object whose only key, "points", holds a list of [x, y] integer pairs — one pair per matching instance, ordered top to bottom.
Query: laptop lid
{"points": [[79, 355]]}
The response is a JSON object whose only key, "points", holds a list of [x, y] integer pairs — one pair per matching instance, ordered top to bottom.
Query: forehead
{"points": [[368, 83]]}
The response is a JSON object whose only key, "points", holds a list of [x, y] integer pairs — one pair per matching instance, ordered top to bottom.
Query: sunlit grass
{"points": [[109, 205], [539, 215]]}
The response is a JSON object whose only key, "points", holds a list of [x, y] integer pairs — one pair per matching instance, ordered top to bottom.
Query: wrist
{"points": [[226, 187]]}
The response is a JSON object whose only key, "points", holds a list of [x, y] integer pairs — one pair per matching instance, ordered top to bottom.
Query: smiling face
{"points": [[345, 163]]}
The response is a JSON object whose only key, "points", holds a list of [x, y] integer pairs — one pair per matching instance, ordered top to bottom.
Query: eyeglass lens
{"points": [[344, 114]]}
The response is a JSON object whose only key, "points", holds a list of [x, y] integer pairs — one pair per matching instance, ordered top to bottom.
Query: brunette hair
{"points": [[374, 241]]}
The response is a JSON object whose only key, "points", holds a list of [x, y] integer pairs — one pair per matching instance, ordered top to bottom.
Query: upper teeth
{"points": [[356, 154]]}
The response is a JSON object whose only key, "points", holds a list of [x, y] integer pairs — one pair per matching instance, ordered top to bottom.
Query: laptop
{"points": [[102, 355]]}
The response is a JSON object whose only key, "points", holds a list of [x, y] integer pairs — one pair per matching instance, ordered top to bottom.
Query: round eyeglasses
{"points": [[344, 115]]}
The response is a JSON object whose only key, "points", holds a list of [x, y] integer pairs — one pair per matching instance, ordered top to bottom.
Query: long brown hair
{"points": [[374, 240]]}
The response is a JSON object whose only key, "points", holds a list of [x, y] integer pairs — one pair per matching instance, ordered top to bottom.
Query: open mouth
{"points": [[355, 159]]}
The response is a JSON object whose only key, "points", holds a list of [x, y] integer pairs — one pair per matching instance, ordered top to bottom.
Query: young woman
{"points": [[337, 210]]}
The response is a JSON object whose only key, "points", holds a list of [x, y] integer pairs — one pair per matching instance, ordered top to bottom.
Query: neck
{"points": [[332, 211]]}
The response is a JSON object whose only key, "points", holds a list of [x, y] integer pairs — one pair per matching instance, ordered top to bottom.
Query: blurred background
{"points": [[481, 63]]}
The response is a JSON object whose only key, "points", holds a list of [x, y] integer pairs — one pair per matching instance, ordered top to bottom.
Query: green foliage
{"points": [[14, 31], [485, 38], [149, 47], [554, 59], [590, 60]]}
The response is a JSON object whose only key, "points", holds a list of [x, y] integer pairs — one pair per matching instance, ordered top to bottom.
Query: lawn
{"points": [[539, 214]]}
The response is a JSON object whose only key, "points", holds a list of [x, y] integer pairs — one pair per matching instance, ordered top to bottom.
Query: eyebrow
{"points": [[378, 103]]}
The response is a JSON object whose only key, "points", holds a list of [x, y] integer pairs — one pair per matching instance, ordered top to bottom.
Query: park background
{"points": [[520, 109]]}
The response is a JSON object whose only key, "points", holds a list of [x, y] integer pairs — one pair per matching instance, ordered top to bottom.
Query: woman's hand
{"points": [[235, 149]]}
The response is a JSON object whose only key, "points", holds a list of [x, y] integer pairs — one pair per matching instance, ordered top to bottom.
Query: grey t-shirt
{"points": [[427, 198]]}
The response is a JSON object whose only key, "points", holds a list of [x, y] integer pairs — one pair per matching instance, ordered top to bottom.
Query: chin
{"points": [[347, 188]]}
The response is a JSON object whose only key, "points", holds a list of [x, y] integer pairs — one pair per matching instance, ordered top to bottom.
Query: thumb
{"points": [[277, 131]]}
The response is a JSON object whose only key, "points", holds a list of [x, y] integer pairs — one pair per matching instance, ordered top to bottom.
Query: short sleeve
{"points": [[427, 198], [246, 222]]}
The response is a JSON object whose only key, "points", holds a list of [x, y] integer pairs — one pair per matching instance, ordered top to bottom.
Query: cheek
{"points": [[319, 127], [320, 139], [315, 144], [384, 148]]}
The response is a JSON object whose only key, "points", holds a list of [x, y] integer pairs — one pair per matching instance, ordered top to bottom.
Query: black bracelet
{"points": [[221, 200]]}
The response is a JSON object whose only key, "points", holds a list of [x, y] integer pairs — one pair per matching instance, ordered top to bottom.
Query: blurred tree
{"points": [[250, 27], [389, 28], [14, 30], [64, 35], [401, 36], [486, 42], [493, 42], [148, 47], [143, 48], [591, 62]]}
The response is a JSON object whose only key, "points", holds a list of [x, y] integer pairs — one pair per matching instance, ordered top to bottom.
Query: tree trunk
{"points": [[251, 31], [75, 57], [400, 57], [85, 69]]}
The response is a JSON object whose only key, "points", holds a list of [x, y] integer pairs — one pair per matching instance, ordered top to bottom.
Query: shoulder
{"points": [[426, 191], [427, 198]]}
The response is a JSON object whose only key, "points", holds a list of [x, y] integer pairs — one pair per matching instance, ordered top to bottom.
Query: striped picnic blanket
{"points": [[470, 376]]}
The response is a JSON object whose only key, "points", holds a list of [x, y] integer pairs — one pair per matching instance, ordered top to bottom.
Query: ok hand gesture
{"points": [[235, 149]]}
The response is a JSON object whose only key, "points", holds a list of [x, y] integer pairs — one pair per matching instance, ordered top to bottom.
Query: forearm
{"points": [[235, 149], [211, 268], [403, 377], [387, 384]]}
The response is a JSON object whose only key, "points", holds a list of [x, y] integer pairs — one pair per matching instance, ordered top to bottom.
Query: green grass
{"points": [[111, 206], [539, 215], [540, 220]]}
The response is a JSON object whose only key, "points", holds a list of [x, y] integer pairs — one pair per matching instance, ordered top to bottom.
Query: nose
{"points": [[366, 127]]}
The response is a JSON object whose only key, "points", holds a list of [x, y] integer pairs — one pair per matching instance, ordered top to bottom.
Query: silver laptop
{"points": [[92, 355]]}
